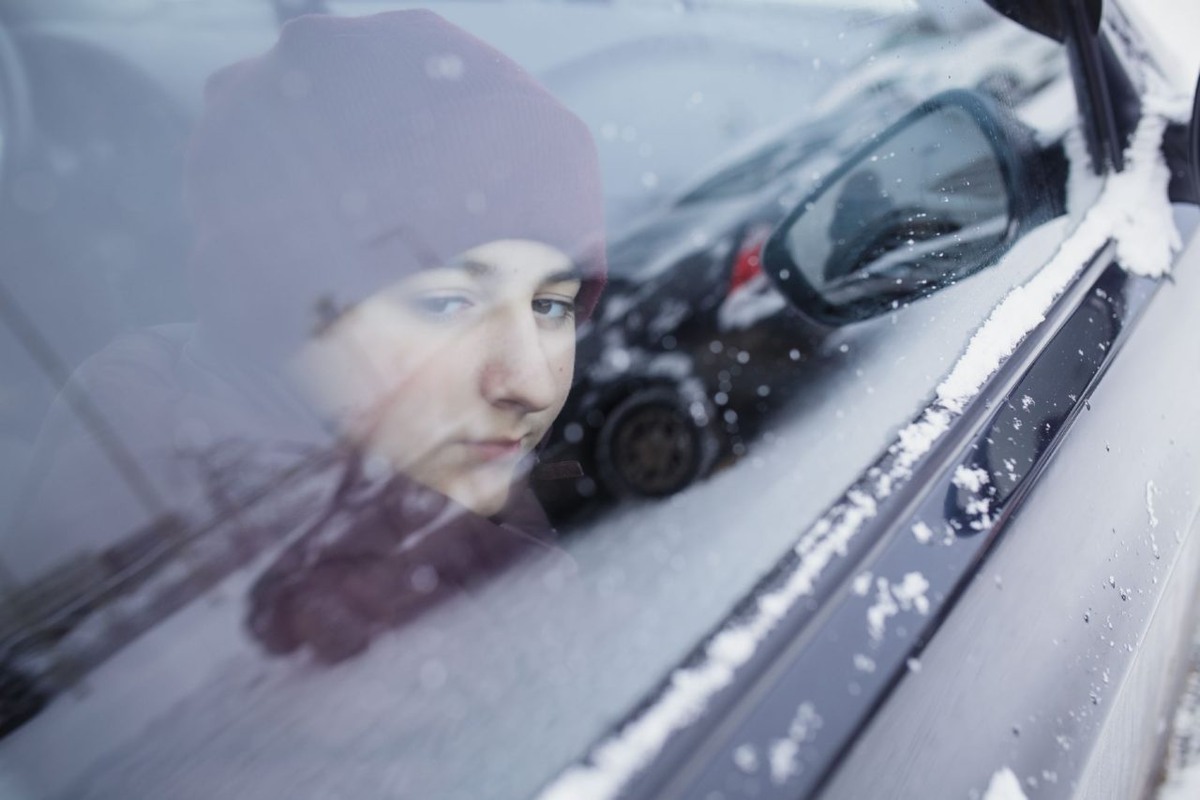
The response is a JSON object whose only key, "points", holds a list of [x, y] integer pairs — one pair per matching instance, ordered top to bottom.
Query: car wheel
{"points": [[651, 445]]}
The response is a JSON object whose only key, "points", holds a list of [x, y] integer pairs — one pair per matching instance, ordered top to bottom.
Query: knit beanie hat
{"points": [[357, 151]]}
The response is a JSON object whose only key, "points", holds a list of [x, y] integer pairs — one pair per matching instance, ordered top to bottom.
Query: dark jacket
{"points": [[380, 556]]}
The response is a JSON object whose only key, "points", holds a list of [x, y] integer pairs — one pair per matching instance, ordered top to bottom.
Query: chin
{"points": [[483, 497], [484, 506]]}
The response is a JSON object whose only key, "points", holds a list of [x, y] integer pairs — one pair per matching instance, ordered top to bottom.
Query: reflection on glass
{"points": [[927, 206], [385, 332], [328, 407]]}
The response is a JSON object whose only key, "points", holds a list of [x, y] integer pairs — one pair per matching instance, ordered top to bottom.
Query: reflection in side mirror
{"points": [[930, 201]]}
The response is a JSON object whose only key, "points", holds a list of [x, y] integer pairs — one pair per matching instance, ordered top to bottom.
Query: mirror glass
{"points": [[926, 206]]}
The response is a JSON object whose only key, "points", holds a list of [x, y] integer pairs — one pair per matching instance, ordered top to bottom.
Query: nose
{"points": [[519, 370]]}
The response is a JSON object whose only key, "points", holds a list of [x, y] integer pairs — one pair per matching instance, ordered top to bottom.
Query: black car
{"points": [[693, 346]]}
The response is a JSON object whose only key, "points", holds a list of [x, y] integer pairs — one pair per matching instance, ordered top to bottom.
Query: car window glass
{"points": [[230, 407]]}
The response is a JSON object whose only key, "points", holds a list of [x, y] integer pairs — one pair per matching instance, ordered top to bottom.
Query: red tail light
{"points": [[747, 263]]}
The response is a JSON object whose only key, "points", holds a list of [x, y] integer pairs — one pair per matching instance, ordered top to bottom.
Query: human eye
{"points": [[442, 305], [555, 309]]}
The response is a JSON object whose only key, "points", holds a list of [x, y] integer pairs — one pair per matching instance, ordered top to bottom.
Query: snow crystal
{"points": [[1146, 234], [916, 439], [971, 480], [978, 506], [922, 532], [911, 592], [892, 598], [885, 607], [731, 646], [864, 663], [782, 753], [782, 756], [746, 758], [1004, 786]]}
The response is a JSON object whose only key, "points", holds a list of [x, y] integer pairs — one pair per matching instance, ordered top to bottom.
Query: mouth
{"points": [[494, 449]]}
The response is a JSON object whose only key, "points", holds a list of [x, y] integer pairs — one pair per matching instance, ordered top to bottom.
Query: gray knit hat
{"points": [[359, 150]]}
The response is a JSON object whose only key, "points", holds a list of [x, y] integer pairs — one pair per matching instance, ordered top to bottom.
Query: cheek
{"points": [[560, 356], [371, 363], [335, 376], [428, 395], [437, 398]]}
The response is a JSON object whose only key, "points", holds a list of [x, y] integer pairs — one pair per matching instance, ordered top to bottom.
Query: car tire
{"points": [[652, 445]]}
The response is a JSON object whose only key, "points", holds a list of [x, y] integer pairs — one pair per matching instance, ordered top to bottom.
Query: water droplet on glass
{"points": [[445, 67]]}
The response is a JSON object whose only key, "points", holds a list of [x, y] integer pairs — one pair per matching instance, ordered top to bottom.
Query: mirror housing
{"points": [[1048, 18], [1194, 143], [934, 198]]}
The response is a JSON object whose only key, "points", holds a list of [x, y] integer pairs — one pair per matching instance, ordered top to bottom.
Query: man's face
{"points": [[454, 374]]}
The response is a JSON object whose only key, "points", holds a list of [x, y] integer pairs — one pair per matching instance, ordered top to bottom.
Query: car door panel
{"points": [[1061, 656]]}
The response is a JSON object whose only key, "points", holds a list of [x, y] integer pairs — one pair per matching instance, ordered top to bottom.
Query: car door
{"points": [[1062, 662]]}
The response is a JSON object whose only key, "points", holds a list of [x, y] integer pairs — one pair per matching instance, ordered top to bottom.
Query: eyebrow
{"points": [[483, 270], [564, 276]]}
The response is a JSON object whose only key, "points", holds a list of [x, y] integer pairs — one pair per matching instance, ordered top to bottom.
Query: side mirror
{"points": [[1046, 18], [1194, 142], [936, 197]]}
